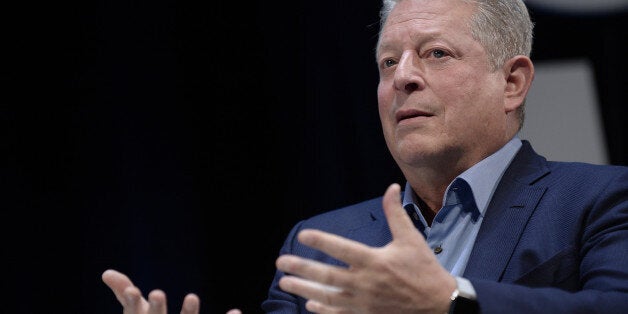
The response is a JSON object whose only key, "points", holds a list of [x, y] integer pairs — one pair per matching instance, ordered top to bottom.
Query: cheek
{"points": [[466, 89], [383, 90], [385, 97], [462, 108], [472, 109]]}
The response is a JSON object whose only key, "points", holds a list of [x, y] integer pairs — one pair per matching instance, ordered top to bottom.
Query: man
{"points": [[483, 224]]}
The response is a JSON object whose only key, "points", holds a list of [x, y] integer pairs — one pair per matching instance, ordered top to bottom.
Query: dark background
{"points": [[178, 142]]}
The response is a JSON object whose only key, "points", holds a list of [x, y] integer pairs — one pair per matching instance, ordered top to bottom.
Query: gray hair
{"points": [[502, 27]]}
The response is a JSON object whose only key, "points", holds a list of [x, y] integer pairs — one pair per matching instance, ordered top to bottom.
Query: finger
{"points": [[399, 222], [349, 251], [315, 271], [117, 282], [311, 290], [134, 302], [157, 302], [191, 304], [318, 307], [234, 311]]}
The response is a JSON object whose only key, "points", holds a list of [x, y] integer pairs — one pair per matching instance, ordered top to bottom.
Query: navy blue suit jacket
{"points": [[554, 239]]}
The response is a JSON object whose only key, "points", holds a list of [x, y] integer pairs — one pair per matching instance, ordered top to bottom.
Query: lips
{"points": [[410, 114]]}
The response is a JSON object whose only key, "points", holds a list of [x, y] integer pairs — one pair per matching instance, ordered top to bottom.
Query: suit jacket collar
{"points": [[514, 201]]}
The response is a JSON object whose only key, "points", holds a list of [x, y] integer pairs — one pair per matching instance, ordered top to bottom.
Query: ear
{"points": [[519, 73]]}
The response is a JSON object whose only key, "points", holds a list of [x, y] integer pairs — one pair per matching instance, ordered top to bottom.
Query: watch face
{"points": [[462, 305]]}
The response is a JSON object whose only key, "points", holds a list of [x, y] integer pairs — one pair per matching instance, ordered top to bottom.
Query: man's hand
{"points": [[402, 277], [131, 299]]}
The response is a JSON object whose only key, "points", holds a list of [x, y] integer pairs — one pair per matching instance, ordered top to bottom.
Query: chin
{"points": [[415, 151]]}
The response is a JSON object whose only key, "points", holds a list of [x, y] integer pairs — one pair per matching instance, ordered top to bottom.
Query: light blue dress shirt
{"points": [[456, 225]]}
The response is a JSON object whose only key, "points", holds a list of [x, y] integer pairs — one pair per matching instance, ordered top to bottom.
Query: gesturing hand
{"points": [[402, 277], [133, 302]]}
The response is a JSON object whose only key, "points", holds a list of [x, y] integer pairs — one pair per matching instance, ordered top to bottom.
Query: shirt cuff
{"points": [[465, 288]]}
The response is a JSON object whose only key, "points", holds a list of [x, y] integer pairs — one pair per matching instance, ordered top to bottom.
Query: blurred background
{"points": [[179, 142]]}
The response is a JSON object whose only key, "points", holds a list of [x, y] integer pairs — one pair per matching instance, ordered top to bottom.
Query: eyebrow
{"points": [[425, 37]]}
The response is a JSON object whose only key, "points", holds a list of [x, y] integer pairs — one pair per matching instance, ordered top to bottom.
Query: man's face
{"points": [[439, 100]]}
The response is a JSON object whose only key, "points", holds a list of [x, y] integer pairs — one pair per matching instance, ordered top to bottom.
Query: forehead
{"points": [[428, 17]]}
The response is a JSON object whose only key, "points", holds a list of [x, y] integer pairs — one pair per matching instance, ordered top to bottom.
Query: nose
{"points": [[408, 74]]}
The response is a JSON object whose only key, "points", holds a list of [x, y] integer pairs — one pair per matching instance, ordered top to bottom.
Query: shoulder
{"points": [[528, 167], [588, 167], [585, 174], [595, 191], [347, 217], [363, 222]]}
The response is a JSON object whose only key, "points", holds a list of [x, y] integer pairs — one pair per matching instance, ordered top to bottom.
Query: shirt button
{"points": [[415, 216], [438, 249]]}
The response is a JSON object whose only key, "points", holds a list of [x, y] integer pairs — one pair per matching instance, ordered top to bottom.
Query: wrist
{"points": [[448, 286], [463, 299]]}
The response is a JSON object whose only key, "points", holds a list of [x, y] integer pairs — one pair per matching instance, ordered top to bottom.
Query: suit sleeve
{"points": [[279, 301]]}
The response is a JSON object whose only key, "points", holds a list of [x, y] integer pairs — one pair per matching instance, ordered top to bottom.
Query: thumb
{"points": [[399, 222]]}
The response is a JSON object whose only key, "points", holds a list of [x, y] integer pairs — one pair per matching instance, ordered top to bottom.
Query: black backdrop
{"points": [[179, 142]]}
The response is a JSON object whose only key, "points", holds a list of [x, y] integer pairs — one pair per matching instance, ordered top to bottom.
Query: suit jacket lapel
{"points": [[514, 201], [376, 233]]}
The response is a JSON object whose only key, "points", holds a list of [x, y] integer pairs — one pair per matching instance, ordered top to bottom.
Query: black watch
{"points": [[463, 302]]}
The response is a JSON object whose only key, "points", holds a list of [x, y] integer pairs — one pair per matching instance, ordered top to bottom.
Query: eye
{"points": [[438, 53], [389, 63]]}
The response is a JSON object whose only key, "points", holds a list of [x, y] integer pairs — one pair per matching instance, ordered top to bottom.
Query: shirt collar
{"points": [[482, 177]]}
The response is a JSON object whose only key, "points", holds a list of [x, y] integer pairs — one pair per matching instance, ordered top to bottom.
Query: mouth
{"points": [[402, 115]]}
